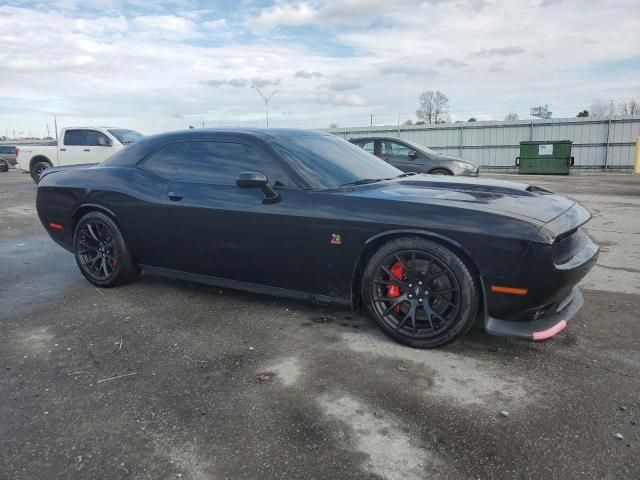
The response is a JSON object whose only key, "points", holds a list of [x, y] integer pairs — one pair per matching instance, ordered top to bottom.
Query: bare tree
{"points": [[433, 106], [630, 106], [599, 109], [583, 113], [511, 117], [408, 122], [333, 125]]}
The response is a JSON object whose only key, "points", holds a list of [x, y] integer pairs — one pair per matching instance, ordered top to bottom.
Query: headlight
{"points": [[464, 166]]}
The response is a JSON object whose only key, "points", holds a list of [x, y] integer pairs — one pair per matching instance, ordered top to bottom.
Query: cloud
{"points": [[334, 12], [166, 28], [499, 52], [200, 60], [450, 62], [497, 67], [409, 70], [307, 75], [233, 82], [238, 82], [265, 82], [341, 84], [339, 99]]}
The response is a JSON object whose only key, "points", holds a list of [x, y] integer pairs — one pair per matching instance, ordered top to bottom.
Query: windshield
{"points": [[125, 136], [326, 161]]}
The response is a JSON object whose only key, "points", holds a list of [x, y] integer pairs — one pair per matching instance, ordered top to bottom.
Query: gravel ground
{"points": [[169, 379]]}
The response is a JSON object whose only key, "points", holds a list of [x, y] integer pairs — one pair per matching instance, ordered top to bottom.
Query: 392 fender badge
{"points": [[336, 239]]}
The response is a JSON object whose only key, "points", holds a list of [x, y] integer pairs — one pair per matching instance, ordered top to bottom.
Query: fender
{"points": [[91, 206], [357, 270]]}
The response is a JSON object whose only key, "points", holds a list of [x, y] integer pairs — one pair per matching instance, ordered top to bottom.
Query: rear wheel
{"points": [[37, 169], [440, 171], [101, 252], [420, 293]]}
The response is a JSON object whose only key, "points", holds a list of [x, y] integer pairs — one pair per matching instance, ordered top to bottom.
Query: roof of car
{"points": [[263, 132], [376, 137]]}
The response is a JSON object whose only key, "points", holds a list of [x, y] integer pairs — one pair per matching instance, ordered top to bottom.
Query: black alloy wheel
{"points": [[101, 253], [98, 254], [420, 293]]}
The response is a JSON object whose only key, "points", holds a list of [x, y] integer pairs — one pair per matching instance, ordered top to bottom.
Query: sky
{"points": [[160, 65]]}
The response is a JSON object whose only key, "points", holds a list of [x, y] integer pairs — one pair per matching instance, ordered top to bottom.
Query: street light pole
{"points": [[266, 101]]}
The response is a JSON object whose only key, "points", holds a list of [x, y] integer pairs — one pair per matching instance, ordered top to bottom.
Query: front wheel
{"points": [[440, 171], [101, 252], [420, 293]]}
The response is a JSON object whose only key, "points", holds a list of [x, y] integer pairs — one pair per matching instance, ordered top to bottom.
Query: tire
{"points": [[4, 166], [37, 168], [440, 171], [101, 252], [435, 302]]}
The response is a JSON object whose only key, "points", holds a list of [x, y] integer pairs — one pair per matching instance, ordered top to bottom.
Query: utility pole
{"points": [[266, 100], [371, 115], [202, 124], [55, 125], [47, 130], [14, 134]]}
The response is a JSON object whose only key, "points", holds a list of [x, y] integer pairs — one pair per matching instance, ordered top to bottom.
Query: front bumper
{"points": [[461, 172], [543, 327]]}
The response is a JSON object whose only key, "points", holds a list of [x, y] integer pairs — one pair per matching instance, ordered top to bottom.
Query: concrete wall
{"points": [[495, 145]]}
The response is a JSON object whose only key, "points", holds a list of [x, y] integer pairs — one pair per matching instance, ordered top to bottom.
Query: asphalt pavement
{"points": [[170, 379]]}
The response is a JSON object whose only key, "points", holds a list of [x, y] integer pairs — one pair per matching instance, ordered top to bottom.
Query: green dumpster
{"points": [[551, 158]]}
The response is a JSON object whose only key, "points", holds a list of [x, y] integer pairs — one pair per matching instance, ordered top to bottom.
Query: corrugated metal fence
{"points": [[598, 143]]}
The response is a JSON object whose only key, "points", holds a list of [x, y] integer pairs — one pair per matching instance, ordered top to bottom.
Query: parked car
{"points": [[79, 145], [8, 154], [412, 157], [4, 165], [308, 215]]}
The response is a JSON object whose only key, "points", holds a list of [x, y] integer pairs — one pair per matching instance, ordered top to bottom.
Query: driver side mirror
{"points": [[413, 154], [258, 180]]}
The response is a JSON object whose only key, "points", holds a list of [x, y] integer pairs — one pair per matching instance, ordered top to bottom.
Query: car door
{"points": [[98, 147], [72, 149], [400, 156], [211, 226]]}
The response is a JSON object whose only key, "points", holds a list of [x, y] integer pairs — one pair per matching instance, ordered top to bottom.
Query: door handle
{"points": [[63, 149], [87, 150], [175, 196]]}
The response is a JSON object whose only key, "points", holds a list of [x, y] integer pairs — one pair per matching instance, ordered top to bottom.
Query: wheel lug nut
{"points": [[419, 283], [410, 286], [410, 296], [420, 300]]}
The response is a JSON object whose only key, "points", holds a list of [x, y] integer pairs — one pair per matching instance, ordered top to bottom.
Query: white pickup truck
{"points": [[77, 145]]}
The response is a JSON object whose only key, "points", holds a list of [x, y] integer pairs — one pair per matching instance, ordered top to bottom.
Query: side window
{"points": [[74, 137], [97, 139], [368, 146], [399, 150], [164, 162], [221, 162]]}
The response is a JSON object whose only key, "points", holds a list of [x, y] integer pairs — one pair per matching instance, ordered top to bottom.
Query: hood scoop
{"points": [[536, 189]]}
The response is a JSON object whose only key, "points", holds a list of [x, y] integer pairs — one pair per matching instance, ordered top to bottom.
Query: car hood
{"points": [[449, 158], [513, 198]]}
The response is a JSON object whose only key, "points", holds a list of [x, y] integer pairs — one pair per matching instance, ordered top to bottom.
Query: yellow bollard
{"points": [[636, 167]]}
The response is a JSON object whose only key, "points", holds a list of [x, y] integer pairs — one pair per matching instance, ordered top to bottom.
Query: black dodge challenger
{"points": [[308, 215]]}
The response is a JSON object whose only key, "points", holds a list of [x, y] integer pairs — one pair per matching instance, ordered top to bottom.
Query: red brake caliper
{"points": [[393, 291]]}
